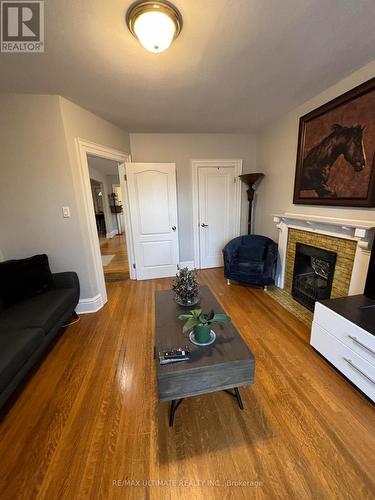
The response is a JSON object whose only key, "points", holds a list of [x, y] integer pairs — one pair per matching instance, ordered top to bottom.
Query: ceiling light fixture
{"points": [[155, 24]]}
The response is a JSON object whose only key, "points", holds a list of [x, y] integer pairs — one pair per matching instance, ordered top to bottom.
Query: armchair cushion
{"points": [[253, 252], [247, 267]]}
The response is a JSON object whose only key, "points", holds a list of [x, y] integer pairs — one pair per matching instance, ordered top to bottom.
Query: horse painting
{"points": [[335, 163], [316, 166]]}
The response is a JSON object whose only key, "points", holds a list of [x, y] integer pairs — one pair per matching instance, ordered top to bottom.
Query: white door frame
{"points": [[85, 148], [196, 165], [127, 220]]}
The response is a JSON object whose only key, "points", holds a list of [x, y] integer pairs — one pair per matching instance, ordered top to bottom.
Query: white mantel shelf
{"points": [[331, 221], [361, 231]]}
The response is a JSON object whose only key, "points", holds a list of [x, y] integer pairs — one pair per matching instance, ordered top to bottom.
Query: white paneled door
{"points": [[218, 200], [153, 214]]}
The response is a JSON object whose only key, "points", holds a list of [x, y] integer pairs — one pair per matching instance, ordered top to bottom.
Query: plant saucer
{"points": [[211, 341]]}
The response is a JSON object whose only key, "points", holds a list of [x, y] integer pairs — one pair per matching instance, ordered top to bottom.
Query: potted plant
{"points": [[186, 287], [201, 323]]}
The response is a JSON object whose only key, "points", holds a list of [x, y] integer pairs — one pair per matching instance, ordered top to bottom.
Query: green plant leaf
{"points": [[196, 313], [210, 315], [183, 317], [197, 317], [221, 318], [189, 325]]}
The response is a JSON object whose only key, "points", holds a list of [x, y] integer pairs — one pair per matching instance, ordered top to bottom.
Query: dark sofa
{"points": [[250, 259], [29, 324]]}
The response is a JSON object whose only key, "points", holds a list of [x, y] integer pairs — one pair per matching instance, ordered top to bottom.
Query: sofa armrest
{"points": [[66, 280]]}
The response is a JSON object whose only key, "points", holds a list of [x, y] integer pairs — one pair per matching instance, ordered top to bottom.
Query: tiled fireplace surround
{"points": [[350, 239], [345, 250]]}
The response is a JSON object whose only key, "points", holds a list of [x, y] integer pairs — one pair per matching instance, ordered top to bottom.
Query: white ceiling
{"points": [[236, 65], [102, 165]]}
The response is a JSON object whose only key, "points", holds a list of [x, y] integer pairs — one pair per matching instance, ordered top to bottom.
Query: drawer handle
{"points": [[361, 344], [350, 362]]}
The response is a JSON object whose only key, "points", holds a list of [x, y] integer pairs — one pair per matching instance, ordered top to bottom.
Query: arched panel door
{"points": [[153, 214]]}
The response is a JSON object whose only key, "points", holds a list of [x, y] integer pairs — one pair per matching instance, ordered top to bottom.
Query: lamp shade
{"points": [[154, 24], [155, 31]]}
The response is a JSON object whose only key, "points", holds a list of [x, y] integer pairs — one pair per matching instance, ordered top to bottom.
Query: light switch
{"points": [[66, 212]]}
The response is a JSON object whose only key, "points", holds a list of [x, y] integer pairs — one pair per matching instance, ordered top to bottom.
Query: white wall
{"points": [[181, 149], [276, 157], [40, 174], [112, 179], [36, 181]]}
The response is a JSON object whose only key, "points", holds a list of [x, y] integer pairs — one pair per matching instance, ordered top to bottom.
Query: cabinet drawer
{"points": [[360, 341], [353, 366]]}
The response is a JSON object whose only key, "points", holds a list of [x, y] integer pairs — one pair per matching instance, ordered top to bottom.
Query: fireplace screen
{"points": [[313, 274]]}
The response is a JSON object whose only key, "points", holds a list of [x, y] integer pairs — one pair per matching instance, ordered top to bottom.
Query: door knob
{"points": [[204, 225], [174, 228]]}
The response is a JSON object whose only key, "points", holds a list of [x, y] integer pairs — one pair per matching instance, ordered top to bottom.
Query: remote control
{"points": [[173, 356]]}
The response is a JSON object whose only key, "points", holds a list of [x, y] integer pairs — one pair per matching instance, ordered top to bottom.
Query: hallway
{"points": [[118, 267]]}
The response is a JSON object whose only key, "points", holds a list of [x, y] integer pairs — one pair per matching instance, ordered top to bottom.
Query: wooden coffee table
{"points": [[226, 364]]}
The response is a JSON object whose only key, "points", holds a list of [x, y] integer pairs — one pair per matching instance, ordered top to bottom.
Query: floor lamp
{"points": [[252, 181]]}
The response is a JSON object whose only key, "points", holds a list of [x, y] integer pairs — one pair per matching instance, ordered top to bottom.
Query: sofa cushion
{"points": [[252, 252], [246, 267], [24, 278], [42, 311], [16, 347]]}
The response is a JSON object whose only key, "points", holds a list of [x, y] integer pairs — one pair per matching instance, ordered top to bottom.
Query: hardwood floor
{"points": [[118, 268], [88, 420]]}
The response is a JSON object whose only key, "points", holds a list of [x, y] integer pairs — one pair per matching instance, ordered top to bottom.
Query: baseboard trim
{"points": [[187, 263], [90, 305]]}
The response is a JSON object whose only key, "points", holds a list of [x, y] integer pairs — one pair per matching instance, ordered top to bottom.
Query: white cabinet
{"points": [[344, 342]]}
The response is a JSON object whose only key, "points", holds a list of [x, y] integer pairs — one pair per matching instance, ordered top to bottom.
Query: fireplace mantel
{"points": [[361, 231]]}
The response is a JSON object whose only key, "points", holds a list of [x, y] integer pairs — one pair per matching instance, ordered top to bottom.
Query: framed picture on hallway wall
{"points": [[336, 151]]}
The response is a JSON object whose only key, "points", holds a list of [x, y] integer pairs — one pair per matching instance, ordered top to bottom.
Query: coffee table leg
{"points": [[236, 395], [175, 403]]}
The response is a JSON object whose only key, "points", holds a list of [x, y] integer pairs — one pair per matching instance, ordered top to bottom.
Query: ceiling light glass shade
{"points": [[155, 24], [155, 31]]}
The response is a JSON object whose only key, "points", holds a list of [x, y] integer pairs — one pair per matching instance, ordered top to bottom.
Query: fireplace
{"points": [[313, 274]]}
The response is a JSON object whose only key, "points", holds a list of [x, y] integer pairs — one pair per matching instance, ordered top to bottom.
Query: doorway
{"points": [[84, 150], [97, 198], [109, 209], [217, 209]]}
